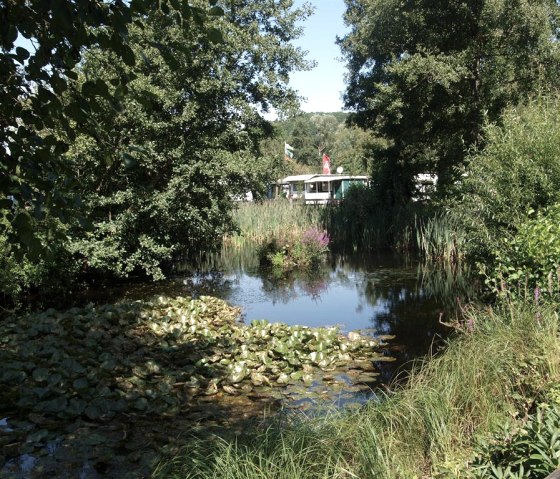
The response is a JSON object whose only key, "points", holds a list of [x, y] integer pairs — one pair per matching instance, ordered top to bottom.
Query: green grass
{"points": [[259, 222], [358, 223], [439, 238], [485, 376]]}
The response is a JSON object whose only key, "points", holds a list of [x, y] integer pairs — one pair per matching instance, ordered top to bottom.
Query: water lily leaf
{"points": [[71, 367], [239, 372], [40, 374], [296, 375], [54, 379], [80, 384], [230, 390], [40, 392], [141, 404], [56, 405], [75, 407], [92, 412], [37, 436], [93, 439]]}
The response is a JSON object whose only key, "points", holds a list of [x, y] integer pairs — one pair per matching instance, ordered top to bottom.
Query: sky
{"points": [[323, 86]]}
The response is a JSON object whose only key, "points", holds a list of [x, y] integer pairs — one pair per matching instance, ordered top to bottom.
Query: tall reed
{"points": [[279, 218], [440, 238], [484, 377]]}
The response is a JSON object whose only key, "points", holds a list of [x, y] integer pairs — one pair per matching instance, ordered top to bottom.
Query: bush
{"points": [[517, 171], [531, 259], [528, 452]]}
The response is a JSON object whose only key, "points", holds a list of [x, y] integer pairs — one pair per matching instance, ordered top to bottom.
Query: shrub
{"points": [[517, 171], [531, 259], [529, 452]]}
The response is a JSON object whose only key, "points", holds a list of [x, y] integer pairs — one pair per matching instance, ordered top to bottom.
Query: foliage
{"points": [[423, 76], [36, 125], [310, 133], [197, 136], [517, 171], [256, 222], [363, 222], [440, 238], [290, 251], [531, 259], [138, 364], [490, 372], [530, 450]]}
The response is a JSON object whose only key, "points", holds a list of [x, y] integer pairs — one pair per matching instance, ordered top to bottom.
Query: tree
{"points": [[424, 76], [189, 132], [350, 149], [35, 182]]}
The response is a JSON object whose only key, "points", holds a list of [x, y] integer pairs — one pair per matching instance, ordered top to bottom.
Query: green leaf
{"points": [[216, 12], [215, 35], [22, 54], [129, 161], [40, 374], [80, 384], [54, 406], [37, 436]]}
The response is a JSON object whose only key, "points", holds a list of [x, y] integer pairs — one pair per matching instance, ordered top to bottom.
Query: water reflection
{"points": [[384, 294]]}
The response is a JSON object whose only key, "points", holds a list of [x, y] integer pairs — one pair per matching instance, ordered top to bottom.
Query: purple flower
{"points": [[314, 236], [537, 294]]}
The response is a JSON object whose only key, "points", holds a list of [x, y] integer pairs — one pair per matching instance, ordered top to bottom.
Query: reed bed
{"points": [[258, 222], [440, 238], [487, 375]]}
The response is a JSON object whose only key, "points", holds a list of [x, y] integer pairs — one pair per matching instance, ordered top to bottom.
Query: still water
{"points": [[378, 294], [383, 294]]}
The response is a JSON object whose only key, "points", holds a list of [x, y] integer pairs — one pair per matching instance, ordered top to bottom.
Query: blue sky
{"points": [[323, 86]]}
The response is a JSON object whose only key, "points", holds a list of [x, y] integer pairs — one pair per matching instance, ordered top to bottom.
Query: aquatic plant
{"points": [[258, 222], [440, 238], [287, 253], [137, 362], [483, 378]]}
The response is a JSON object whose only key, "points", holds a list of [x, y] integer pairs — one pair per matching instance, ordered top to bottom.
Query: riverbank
{"points": [[493, 373]]}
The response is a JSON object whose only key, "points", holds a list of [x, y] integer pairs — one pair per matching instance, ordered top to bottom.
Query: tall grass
{"points": [[258, 222], [358, 223], [440, 238], [486, 375]]}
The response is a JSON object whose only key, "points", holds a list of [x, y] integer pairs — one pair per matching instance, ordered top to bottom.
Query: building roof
{"points": [[334, 177], [293, 178]]}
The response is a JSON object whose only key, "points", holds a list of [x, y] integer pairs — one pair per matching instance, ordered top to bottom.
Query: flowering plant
{"points": [[305, 251]]}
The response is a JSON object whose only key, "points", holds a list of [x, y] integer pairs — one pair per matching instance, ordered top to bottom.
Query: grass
{"points": [[258, 222], [358, 223], [439, 238], [492, 371]]}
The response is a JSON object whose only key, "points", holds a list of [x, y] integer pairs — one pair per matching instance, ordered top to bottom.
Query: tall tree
{"points": [[425, 75], [189, 132], [34, 180]]}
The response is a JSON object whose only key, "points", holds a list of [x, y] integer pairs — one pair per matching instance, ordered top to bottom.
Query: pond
{"points": [[379, 295]]}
